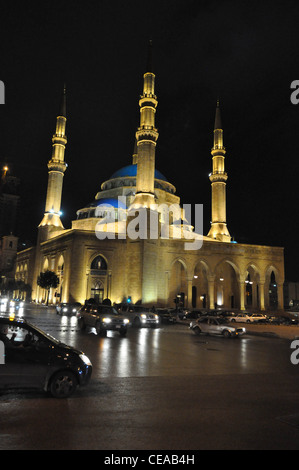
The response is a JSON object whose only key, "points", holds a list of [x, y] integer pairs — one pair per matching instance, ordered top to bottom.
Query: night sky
{"points": [[246, 54]]}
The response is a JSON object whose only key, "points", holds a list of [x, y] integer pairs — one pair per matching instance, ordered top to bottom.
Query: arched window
{"points": [[99, 264]]}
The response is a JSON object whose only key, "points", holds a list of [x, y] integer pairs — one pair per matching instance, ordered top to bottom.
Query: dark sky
{"points": [[244, 53]]}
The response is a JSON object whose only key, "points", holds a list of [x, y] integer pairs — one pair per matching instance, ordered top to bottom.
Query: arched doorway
{"points": [[60, 274], [97, 279], [178, 286], [200, 286], [227, 290], [272, 291], [97, 292], [252, 294]]}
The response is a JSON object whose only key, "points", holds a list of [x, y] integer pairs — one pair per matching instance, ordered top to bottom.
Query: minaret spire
{"points": [[146, 138], [56, 169], [218, 178]]}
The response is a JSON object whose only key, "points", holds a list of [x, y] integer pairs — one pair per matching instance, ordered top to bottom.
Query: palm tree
{"points": [[47, 280]]}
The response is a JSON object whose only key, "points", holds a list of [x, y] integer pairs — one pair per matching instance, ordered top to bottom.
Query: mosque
{"points": [[111, 252]]}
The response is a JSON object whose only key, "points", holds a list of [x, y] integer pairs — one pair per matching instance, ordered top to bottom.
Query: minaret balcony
{"points": [[57, 165], [218, 177]]}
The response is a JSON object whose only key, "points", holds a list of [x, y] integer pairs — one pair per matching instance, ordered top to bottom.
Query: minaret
{"points": [[146, 138], [56, 167], [218, 179]]}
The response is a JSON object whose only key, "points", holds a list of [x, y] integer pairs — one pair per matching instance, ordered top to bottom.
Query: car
{"points": [[16, 304], [65, 308], [139, 315], [166, 316], [188, 316], [241, 317], [103, 318], [258, 318], [284, 320], [215, 325], [34, 359]]}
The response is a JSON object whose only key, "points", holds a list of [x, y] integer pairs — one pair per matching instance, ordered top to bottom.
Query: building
{"points": [[9, 201], [133, 241]]}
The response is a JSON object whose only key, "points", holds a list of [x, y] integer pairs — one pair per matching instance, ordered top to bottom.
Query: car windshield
{"points": [[109, 310], [221, 320], [45, 335]]}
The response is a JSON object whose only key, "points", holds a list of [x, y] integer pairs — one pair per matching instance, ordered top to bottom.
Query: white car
{"points": [[138, 315], [241, 317], [258, 317], [216, 326]]}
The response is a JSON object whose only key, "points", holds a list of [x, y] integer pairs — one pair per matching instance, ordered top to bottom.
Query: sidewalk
{"points": [[279, 331]]}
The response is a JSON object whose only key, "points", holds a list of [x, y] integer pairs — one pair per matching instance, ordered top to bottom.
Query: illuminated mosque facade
{"points": [[96, 257]]}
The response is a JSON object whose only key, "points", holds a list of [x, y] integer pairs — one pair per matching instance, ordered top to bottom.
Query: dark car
{"points": [[65, 308], [166, 316], [102, 318], [34, 359]]}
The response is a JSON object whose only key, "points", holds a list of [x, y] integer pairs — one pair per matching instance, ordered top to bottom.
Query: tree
{"points": [[47, 280]]}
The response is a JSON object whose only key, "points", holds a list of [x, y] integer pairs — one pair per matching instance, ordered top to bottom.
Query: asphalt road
{"points": [[161, 389]]}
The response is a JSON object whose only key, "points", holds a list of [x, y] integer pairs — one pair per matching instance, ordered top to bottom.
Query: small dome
{"points": [[131, 170]]}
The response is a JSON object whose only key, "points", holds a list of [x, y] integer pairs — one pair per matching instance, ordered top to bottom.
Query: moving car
{"points": [[68, 308], [138, 315], [102, 318], [217, 326], [34, 359]]}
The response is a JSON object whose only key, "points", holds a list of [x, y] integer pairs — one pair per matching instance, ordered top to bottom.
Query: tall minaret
{"points": [[146, 138], [56, 167], [218, 179]]}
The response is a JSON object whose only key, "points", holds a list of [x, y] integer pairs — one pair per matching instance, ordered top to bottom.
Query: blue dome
{"points": [[131, 170], [108, 201]]}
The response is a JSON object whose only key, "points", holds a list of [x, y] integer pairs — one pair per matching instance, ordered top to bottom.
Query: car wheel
{"points": [[233, 320], [81, 324], [196, 330], [100, 331], [226, 333], [63, 384]]}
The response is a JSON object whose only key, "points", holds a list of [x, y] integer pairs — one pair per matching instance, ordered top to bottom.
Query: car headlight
{"points": [[64, 309], [143, 315], [156, 317], [106, 320], [126, 321], [85, 359]]}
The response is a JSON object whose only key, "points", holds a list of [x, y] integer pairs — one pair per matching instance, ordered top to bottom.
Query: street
{"points": [[160, 389]]}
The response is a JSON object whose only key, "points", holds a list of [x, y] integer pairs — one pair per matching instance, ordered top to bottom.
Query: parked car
{"points": [[68, 308], [138, 315], [166, 316], [188, 316], [241, 317], [103, 318], [258, 318], [283, 320], [215, 325], [34, 359]]}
